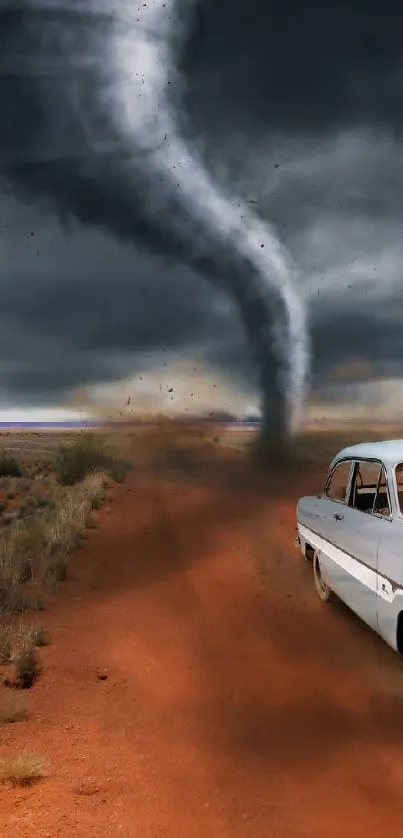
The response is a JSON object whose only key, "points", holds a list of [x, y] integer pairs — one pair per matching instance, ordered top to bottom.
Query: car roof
{"points": [[390, 451]]}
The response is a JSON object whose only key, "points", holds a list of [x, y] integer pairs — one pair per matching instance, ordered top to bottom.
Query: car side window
{"points": [[337, 484], [399, 484], [369, 488], [382, 503]]}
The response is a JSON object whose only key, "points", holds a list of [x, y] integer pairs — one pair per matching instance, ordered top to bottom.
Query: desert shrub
{"points": [[86, 455], [75, 460], [9, 465], [117, 470], [32, 505], [67, 523], [18, 546], [37, 550], [55, 568], [14, 570], [19, 601], [39, 636], [6, 644], [18, 653], [25, 663], [12, 709], [23, 770]]}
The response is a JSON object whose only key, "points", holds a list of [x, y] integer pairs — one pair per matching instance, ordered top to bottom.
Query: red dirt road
{"points": [[236, 703]]}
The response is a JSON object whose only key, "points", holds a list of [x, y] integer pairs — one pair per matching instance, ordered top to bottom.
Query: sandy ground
{"points": [[235, 703]]}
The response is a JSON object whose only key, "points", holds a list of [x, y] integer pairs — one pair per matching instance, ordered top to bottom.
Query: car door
{"points": [[330, 511], [356, 541], [390, 565]]}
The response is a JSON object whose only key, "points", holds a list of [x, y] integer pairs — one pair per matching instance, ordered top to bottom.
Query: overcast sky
{"points": [[298, 108]]}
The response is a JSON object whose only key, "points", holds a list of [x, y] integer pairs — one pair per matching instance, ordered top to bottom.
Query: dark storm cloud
{"points": [[286, 66], [298, 106], [63, 301], [83, 309], [370, 341]]}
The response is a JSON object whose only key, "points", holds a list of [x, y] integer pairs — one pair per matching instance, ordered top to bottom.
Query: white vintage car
{"points": [[353, 535]]}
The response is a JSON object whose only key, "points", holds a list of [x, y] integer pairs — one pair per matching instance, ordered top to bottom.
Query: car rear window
{"points": [[399, 483]]}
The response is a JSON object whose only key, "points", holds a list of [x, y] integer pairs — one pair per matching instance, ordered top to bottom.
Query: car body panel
{"points": [[360, 552], [352, 578], [390, 580]]}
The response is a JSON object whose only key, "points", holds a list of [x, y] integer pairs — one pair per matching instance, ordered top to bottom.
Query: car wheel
{"points": [[308, 554], [322, 589]]}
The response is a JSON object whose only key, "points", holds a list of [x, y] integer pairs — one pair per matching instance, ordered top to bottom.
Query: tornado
{"points": [[94, 125]]}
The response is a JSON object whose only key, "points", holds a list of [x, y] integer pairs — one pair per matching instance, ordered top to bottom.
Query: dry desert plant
{"points": [[86, 455], [9, 465], [47, 525], [65, 526], [15, 570], [39, 636], [6, 644], [18, 655], [24, 666], [12, 709], [22, 770]]}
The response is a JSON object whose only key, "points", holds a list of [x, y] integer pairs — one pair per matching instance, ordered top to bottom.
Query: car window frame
{"points": [[384, 467], [329, 477], [399, 513]]}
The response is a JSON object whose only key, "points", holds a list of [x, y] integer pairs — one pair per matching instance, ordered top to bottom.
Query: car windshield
{"points": [[399, 484]]}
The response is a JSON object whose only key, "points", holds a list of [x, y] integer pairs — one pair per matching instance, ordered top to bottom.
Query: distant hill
{"points": [[221, 416], [251, 420], [75, 423]]}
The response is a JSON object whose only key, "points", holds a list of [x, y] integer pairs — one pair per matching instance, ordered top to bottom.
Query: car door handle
{"points": [[338, 517]]}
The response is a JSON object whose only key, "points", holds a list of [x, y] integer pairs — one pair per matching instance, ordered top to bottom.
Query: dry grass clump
{"points": [[86, 455], [9, 465], [13, 486], [35, 504], [43, 515], [66, 525], [34, 552], [16, 568], [39, 636], [6, 644], [18, 656], [25, 667], [12, 709], [23, 770]]}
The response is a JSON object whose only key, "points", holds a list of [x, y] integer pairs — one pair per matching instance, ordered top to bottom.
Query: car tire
{"points": [[308, 554], [322, 589]]}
